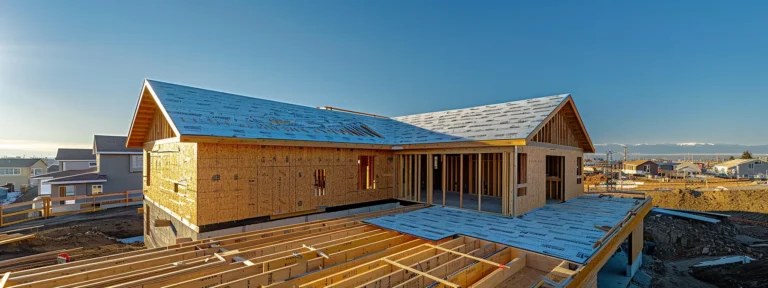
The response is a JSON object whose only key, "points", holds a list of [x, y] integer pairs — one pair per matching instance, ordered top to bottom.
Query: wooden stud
{"points": [[444, 165], [461, 180], [479, 183]]}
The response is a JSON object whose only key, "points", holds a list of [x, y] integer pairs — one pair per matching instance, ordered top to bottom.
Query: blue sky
{"points": [[651, 72]]}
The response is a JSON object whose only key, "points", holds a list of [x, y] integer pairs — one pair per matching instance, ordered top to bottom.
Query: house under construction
{"points": [[216, 161]]}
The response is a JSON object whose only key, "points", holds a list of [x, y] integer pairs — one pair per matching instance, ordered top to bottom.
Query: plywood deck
{"points": [[565, 230]]}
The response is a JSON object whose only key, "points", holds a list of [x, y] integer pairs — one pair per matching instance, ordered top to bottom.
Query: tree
{"points": [[746, 155], [731, 158]]}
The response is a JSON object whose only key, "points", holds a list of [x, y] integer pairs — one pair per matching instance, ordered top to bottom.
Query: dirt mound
{"points": [[741, 200], [98, 237], [753, 274]]}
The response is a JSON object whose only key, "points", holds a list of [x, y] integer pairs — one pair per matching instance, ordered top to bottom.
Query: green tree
{"points": [[746, 155], [731, 158]]}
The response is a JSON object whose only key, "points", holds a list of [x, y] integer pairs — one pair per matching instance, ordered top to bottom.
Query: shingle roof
{"points": [[196, 111], [114, 144], [75, 154], [18, 162], [636, 162], [736, 162], [52, 168], [67, 173], [83, 178]]}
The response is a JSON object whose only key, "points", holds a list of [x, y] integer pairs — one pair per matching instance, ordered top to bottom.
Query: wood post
{"points": [[443, 177], [430, 178], [461, 180], [479, 181]]}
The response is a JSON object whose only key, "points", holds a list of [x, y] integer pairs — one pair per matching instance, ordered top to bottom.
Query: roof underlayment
{"points": [[203, 112], [564, 230]]}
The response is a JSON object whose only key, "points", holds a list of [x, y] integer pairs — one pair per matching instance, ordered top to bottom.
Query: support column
{"points": [[443, 176], [418, 177], [430, 178], [461, 180], [479, 181], [634, 255]]}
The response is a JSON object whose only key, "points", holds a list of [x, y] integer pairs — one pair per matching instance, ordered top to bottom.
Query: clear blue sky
{"points": [[651, 72]]}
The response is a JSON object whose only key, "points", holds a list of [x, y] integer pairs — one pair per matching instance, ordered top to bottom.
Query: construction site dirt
{"points": [[97, 233], [679, 244]]}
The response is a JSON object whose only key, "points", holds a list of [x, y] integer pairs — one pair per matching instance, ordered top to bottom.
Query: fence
{"points": [[45, 206]]}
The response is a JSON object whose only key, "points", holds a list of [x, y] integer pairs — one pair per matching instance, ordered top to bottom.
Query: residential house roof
{"points": [[200, 112], [105, 144], [75, 154], [18, 162], [637, 162], [735, 162], [690, 166], [53, 168], [67, 173], [82, 178]]}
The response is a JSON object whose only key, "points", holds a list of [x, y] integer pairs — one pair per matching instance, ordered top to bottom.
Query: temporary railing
{"points": [[45, 206]]}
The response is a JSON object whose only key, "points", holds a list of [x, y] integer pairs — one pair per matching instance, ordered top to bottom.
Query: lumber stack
{"points": [[10, 238]]}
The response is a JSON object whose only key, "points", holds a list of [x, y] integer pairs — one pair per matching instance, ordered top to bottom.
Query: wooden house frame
{"points": [[200, 183]]}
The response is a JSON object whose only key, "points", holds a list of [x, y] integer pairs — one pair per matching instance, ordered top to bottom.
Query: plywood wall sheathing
{"points": [[174, 165], [536, 176], [245, 181]]}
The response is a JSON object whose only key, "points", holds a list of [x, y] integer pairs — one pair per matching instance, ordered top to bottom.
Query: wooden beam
{"points": [[467, 144], [443, 176], [461, 180], [479, 181], [162, 223], [468, 256], [401, 266]]}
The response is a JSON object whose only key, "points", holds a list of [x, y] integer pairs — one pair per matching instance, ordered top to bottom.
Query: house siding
{"points": [[74, 165], [117, 168], [21, 180]]}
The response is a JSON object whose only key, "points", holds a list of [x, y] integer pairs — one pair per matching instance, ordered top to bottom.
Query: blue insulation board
{"points": [[565, 230]]}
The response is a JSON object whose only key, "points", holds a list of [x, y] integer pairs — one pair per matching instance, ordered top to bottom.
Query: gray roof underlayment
{"points": [[200, 112], [112, 144], [75, 154], [564, 230]]}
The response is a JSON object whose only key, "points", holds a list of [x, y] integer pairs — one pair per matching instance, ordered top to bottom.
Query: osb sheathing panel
{"points": [[171, 164], [244, 181], [536, 192]]}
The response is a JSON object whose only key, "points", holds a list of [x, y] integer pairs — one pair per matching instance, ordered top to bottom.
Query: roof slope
{"points": [[199, 112], [510, 120], [112, 144], [75, 154], [18, 162], [637, 162], [736, 162], [66, 173], [81, 178]]}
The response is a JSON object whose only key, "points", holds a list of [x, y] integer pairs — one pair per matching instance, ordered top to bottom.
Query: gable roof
{"points": [[198, 112], [105, 144], [69, 154], [18, 162], [637, 162], [736, 162], [53, 168], [66, 173], [80, 178]]}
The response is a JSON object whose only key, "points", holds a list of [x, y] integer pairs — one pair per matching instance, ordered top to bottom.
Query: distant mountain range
{"points": [[682, 149]]}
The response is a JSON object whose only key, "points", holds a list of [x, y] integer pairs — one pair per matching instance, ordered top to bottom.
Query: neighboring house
{"points": [[75, 159], [216, 160], [667, 166], [641, 167], [53, 168], [688, 168], [743, 168], [117, 169], [18, 171]]}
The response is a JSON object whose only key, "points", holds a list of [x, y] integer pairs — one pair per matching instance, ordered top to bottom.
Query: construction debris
{"points": [[684, 215], [725, 260]]}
